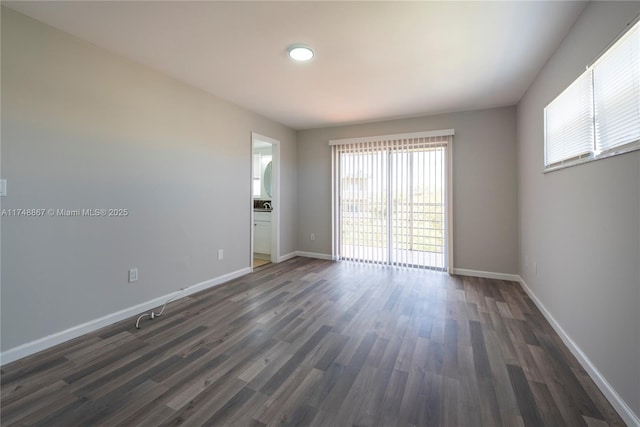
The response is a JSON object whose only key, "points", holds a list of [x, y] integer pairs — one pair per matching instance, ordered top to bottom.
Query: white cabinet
{"points": [[262, 232], [262, 237]]}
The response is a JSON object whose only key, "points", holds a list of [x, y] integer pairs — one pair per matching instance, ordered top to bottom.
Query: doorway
{"points": [[265, 200], [391, 200]]}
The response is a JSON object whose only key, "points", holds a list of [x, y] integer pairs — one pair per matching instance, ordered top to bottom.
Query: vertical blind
{"points": [[390, 201]]}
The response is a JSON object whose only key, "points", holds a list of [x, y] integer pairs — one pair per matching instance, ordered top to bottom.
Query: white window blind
{"points": [[616, 82], [598, 115], [569, 122], [390, 199]]}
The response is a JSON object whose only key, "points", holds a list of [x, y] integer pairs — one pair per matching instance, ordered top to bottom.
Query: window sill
{"points": [[627, 148]]}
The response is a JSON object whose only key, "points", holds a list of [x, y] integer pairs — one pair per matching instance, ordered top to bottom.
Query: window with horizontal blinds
{"points": [[616, 83], [598, 115], [569, 130]]}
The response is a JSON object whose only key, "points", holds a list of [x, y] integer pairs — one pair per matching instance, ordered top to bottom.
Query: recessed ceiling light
{"points": [[300, 53]]}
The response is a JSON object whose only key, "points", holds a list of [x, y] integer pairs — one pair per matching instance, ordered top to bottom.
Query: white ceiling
{"points": [[374, 60]]}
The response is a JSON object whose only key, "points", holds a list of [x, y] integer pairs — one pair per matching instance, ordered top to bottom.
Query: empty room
{"points": [[320, 213]]}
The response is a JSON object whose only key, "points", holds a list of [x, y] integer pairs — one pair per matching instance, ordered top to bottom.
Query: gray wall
{"points": [[84, 128], [484, 184], [581, 225]]}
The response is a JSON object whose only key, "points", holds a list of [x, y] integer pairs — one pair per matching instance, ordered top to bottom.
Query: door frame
{"points": [[448, 190], [275, 196]]}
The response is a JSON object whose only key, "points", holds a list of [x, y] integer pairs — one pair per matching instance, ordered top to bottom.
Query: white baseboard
{"points": [[304, 254], [313, 255], [287, 256], [486, 274], [32, 347], [609, 392]]}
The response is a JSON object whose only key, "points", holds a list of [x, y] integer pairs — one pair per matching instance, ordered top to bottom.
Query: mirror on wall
{"points": [[262, 170], [267, 178]]}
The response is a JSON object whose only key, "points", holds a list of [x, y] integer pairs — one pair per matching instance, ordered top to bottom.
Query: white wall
{"points": [[84, 128], [484, 184], [581, 225]]}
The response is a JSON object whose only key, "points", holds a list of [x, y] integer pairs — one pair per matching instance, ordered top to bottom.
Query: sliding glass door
{"points": [[390, 201], [364, 205]]}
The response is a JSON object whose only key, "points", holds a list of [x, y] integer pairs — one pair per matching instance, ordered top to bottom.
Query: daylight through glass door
{"points": [[390, 204]]}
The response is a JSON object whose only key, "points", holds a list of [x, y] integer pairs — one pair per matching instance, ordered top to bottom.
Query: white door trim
{"points": [[275, 196]]}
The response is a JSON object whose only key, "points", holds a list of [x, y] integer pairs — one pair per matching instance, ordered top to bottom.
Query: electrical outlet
{"points": [[313, 236], [220, 254], [133, 275]]}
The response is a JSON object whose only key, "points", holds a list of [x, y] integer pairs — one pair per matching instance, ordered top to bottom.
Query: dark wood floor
{"points": [[310, 342]]}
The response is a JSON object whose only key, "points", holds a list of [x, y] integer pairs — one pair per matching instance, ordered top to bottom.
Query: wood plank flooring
{"points": [[259, 262], [317, 343]]}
